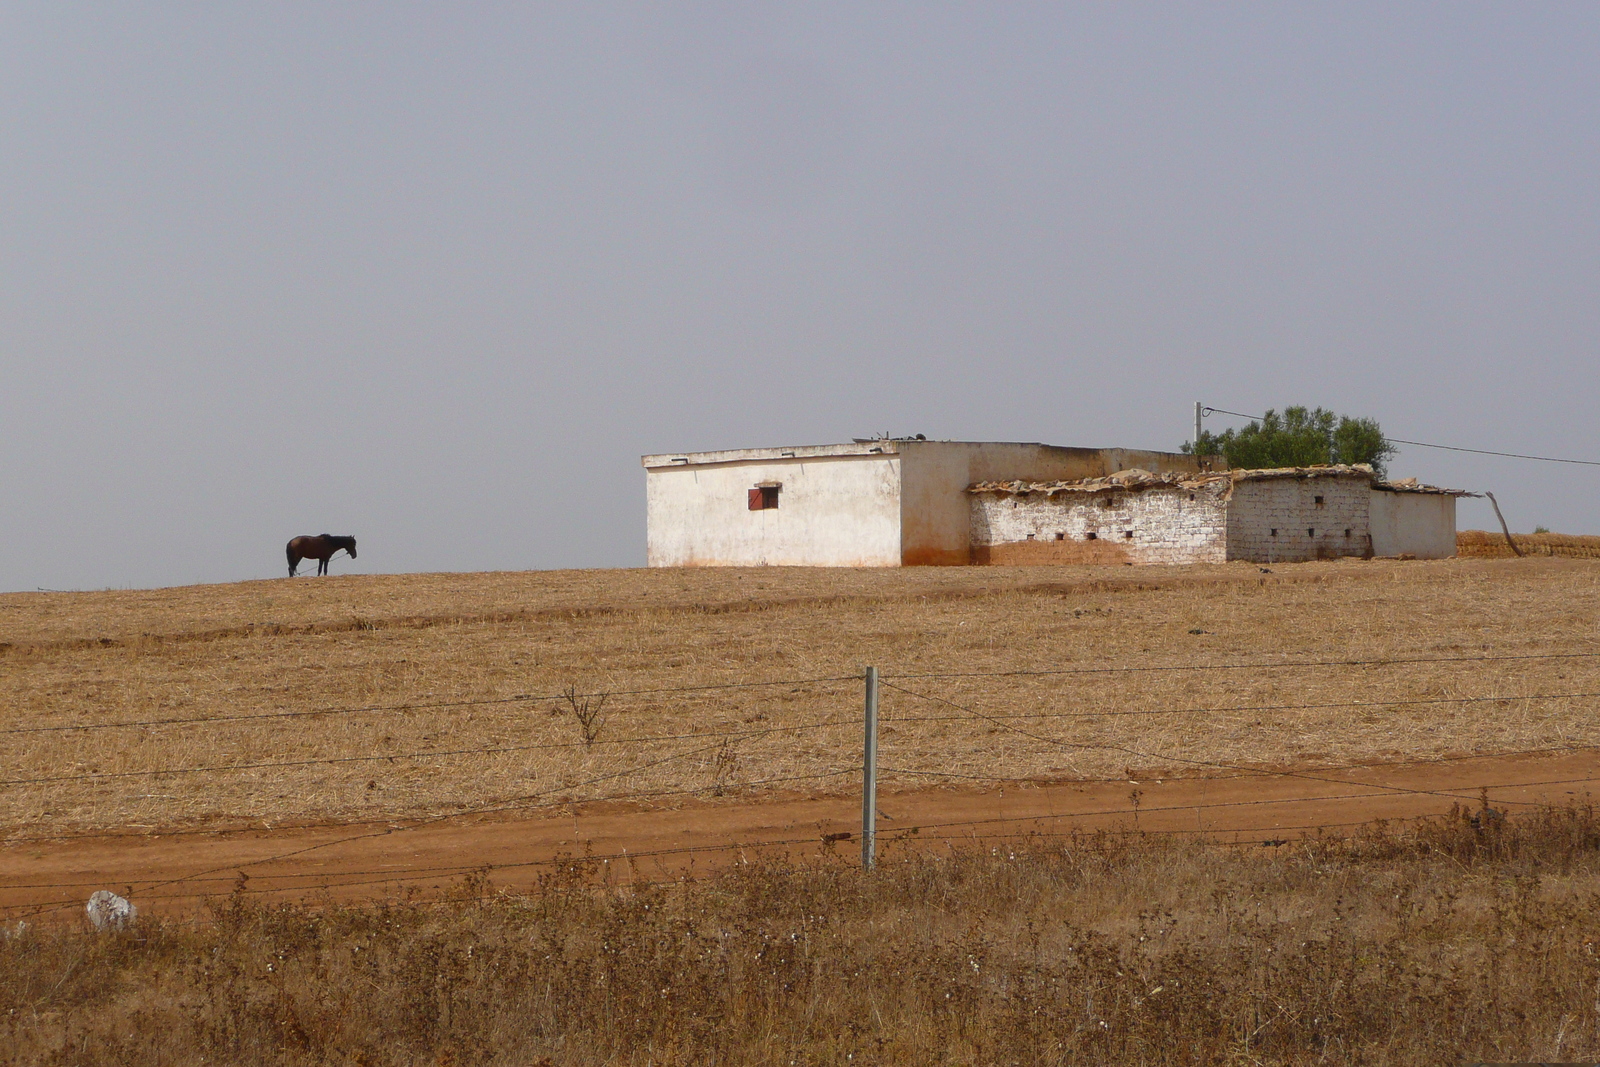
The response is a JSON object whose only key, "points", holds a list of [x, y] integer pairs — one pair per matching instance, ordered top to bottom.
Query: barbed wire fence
{"points": [[910, 704]]}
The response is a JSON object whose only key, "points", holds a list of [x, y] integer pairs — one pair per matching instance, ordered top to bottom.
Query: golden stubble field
{"points": [[386, 661]]}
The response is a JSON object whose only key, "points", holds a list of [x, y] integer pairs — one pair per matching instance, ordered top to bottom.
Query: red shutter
{"points": [[756, 500]]}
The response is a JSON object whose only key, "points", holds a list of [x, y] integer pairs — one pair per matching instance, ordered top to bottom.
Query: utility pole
{"points": [[1197, 413], [1503, 527], [869, 775]]}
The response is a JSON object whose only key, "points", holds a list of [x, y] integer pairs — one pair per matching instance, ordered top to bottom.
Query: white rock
{"points": [[107, 911]]}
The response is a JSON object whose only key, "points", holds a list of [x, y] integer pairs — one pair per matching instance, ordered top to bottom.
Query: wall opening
{"points": [[764, 497], [1319, 501], [1274, 531], [1311, 531], [1347, 532], [1128, 534], [1093, 536], [1061, 537]]}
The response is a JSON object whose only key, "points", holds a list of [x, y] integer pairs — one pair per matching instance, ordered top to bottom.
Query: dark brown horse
{"points": [[320, 548]]}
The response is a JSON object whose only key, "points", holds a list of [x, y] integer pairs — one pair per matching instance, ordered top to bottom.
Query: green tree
{"points": [[1299, 437]]}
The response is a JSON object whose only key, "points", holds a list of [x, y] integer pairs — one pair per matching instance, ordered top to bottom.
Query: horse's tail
{"points": [[288, 550]]}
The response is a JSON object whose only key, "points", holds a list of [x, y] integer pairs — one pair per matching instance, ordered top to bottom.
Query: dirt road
{"points": [[174, 872]]}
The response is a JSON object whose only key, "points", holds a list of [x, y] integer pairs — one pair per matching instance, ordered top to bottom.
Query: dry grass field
{"points": [[349, 698], [1449, 943]]}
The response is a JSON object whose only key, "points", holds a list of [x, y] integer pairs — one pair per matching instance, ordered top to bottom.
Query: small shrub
{"points": [[587, 710]]}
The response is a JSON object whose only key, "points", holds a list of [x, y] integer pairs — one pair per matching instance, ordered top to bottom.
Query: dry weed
{"points": [[1465, 940]]}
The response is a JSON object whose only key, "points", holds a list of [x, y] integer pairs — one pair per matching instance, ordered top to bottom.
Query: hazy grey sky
{"points": [[437, 275]]}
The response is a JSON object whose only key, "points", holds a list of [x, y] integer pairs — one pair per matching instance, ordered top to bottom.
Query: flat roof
{"points": [[883, 446], [737, 455]]}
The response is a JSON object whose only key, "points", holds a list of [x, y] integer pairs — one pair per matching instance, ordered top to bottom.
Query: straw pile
{"points": [[1485, 545]]}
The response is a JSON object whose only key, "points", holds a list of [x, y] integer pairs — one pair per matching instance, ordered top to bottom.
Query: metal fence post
{"points": [[869, 774]]}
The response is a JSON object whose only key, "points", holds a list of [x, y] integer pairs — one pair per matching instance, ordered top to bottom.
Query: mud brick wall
{"points": [[1286, 520], [1165, 525]]}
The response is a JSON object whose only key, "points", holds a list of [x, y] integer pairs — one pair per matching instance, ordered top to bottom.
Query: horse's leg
{"points": [[322, 565]]}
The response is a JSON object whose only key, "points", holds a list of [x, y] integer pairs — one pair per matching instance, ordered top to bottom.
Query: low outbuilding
{"points": [[1279, 515]]}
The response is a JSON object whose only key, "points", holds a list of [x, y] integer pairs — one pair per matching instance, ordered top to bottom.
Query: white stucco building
{"points": [[882, 503], [890, 503]]}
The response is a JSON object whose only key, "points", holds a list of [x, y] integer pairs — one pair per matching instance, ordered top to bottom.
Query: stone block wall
{"points": [[1287, 520], [1161, 525]]}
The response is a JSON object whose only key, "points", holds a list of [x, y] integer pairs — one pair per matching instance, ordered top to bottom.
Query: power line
{"points": [[1426, 444], [1280, 665], [535, 698], [540, 698], [1249, 707], [966, 716], [826, 724], [227, 768], [1249, 771], [1246, 772], [1144, 809], [1178, 830], [900, 835], [398, 874], [45, 907]]}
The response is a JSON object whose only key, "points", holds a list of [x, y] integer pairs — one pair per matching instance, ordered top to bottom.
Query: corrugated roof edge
{"points": [[1142, 480], [1411, 485]]}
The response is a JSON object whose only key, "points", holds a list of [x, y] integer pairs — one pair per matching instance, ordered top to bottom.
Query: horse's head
{"points": [[351, 548]]}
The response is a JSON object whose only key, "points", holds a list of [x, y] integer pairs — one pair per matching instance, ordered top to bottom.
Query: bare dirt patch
{"points": [[175, 873]]}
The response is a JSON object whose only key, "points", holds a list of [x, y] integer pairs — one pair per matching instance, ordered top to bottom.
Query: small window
{"points": [[764, 497], [1319, 501], [1274, 531], [1311, 531], [1347, 532], [1128, 534], [1093, 536], [1030, 537], [1061, 537]]}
